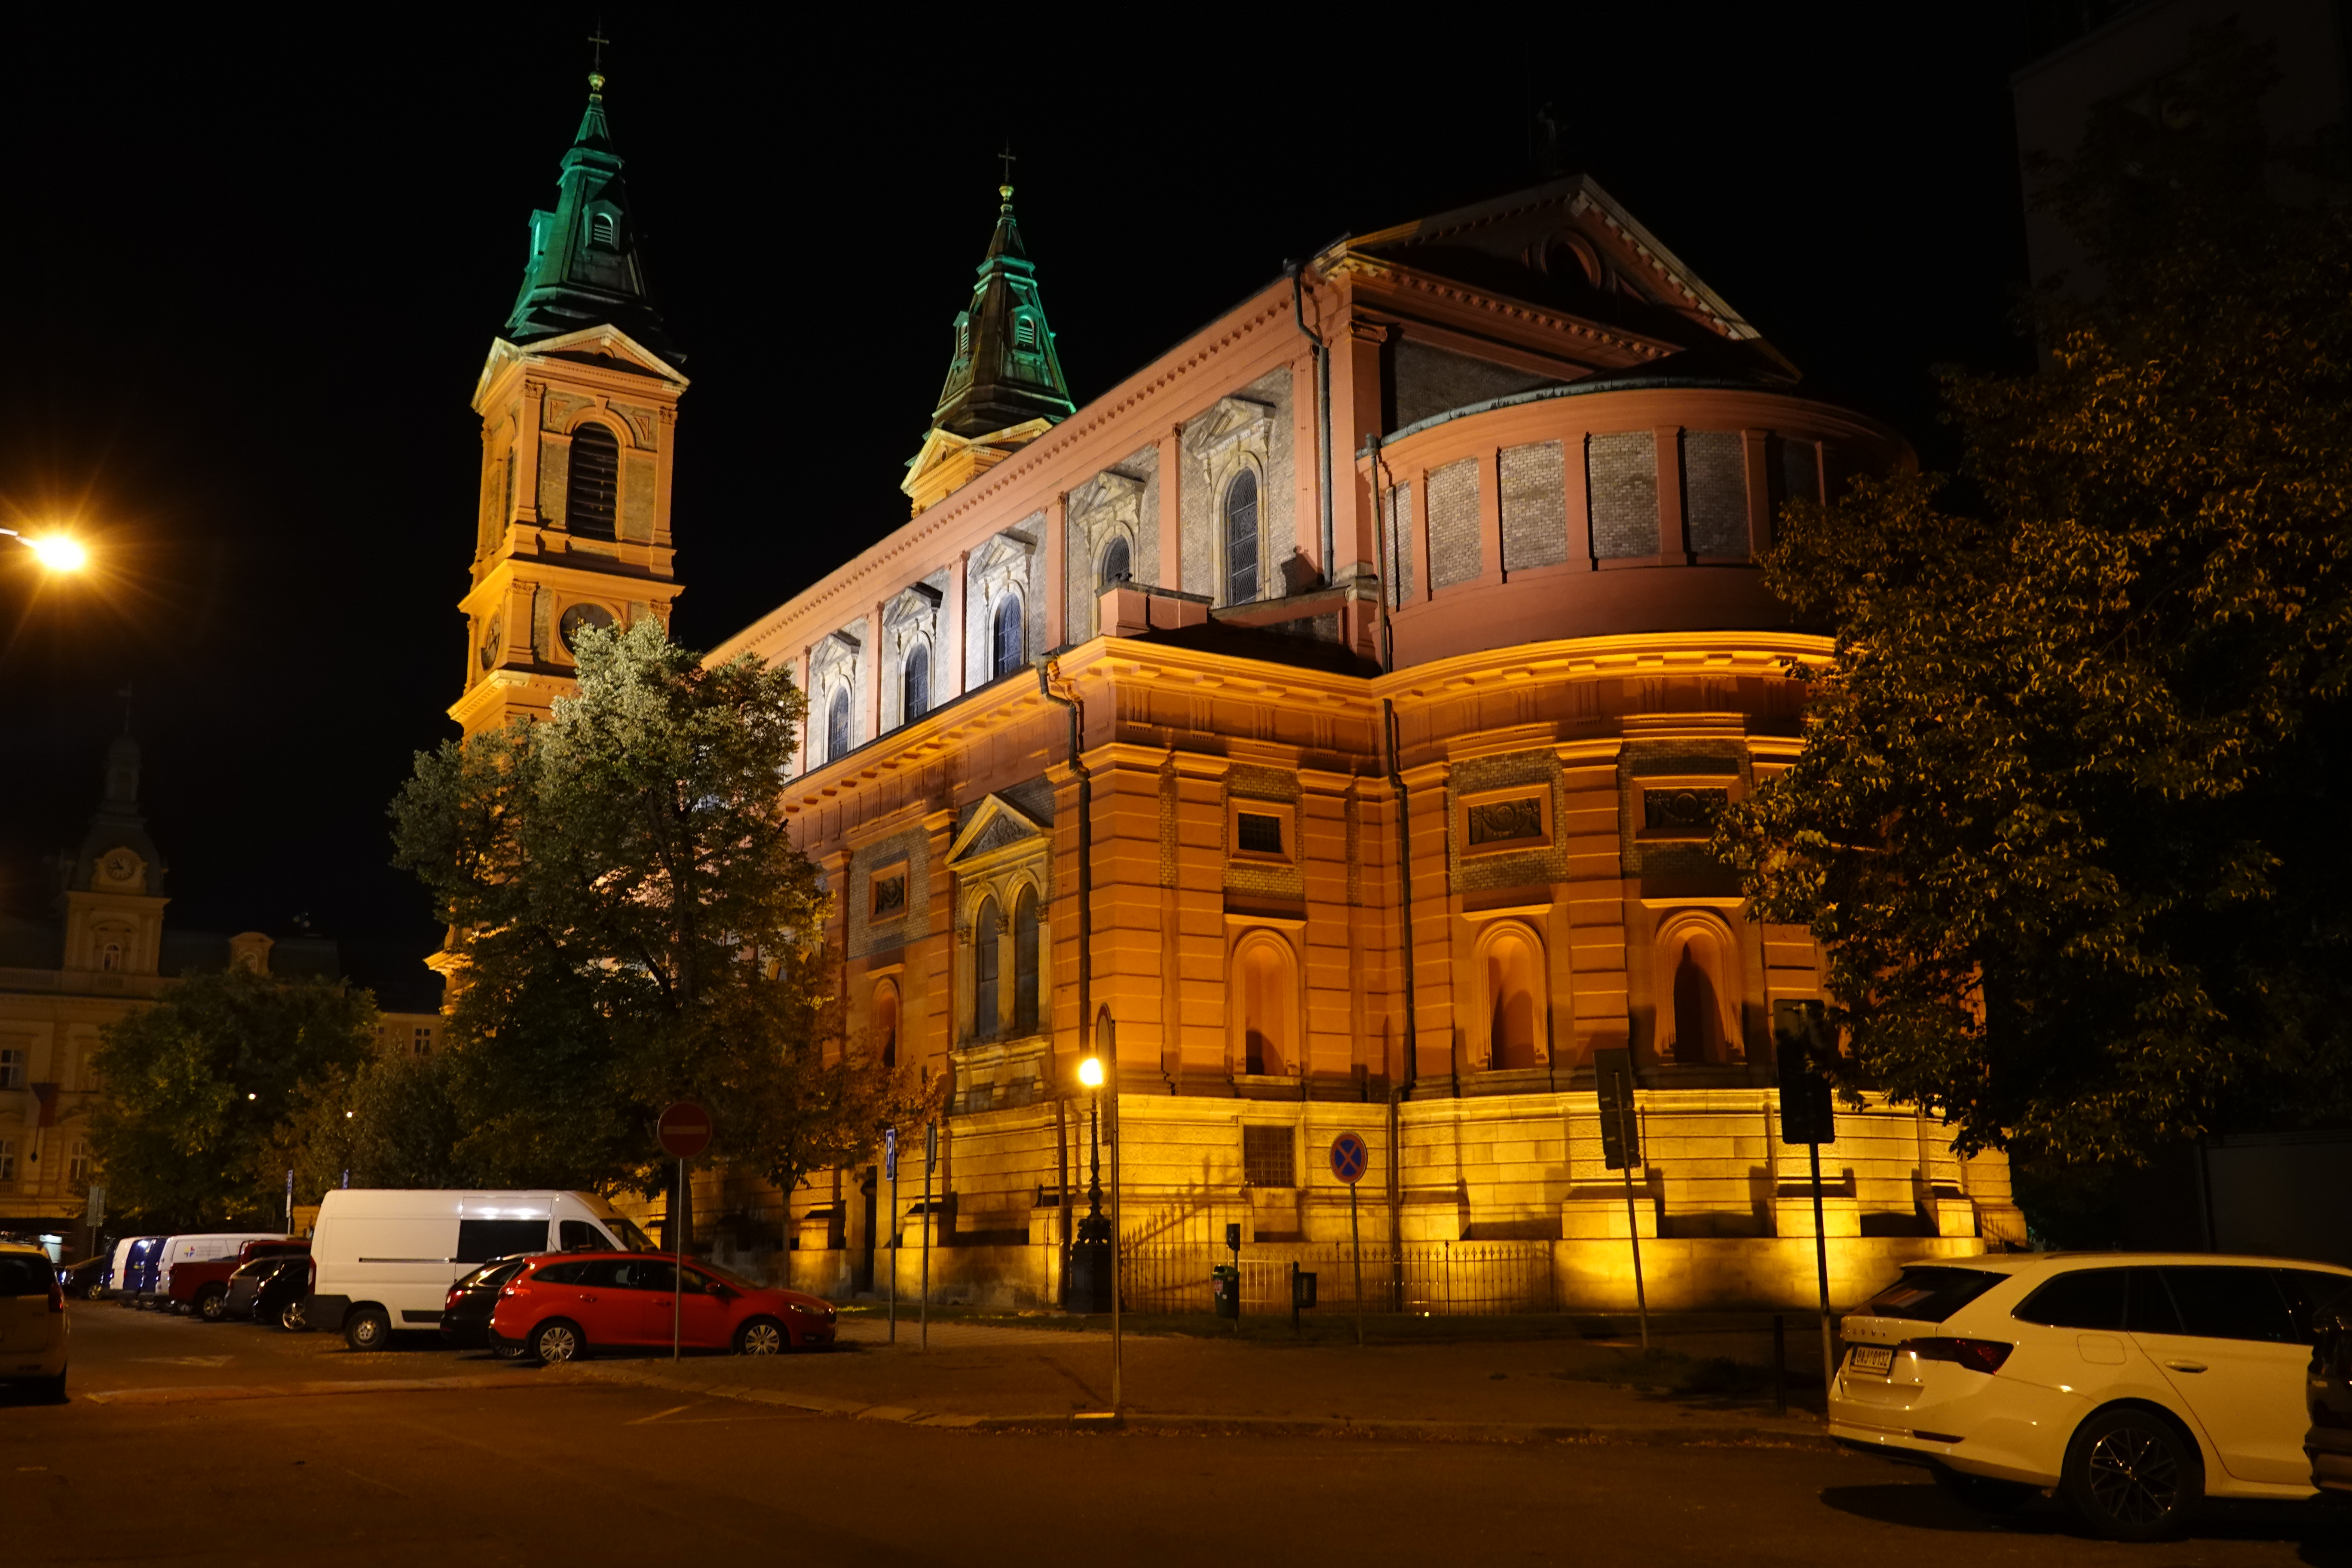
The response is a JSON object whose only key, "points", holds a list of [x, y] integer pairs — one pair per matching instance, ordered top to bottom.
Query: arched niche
{"points": [[1695, 981], [1264, 1006], [1513, 1025]]}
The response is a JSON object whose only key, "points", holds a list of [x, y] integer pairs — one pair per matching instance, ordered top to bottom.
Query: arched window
{"points": [[603, 232], [1025, 333], [593, 485], [1241, 538], [1117, 564], [1008, 644], [915, 684], [836, 725], [987, 928], [111, 957], [1024, 962], [1693, 963], [1514, 994], [1267, 1012], [885, 1022]]}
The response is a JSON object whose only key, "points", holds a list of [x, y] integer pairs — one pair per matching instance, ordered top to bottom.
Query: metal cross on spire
{"points": [[597, 42], [1007, 158]]}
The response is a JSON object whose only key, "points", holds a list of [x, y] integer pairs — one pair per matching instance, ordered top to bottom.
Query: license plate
{"points": [[1870, 1358]]}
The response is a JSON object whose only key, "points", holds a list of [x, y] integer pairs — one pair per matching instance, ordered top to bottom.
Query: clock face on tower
{"points": [[578, 618], [493, 639], [121, 866]]}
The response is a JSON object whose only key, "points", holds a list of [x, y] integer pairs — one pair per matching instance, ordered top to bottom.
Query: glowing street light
{"points": [[57, 551], [1090, 1072], [1090, 1260]]}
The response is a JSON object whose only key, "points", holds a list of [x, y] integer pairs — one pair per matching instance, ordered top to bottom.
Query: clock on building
{"points": [[578, 618], [494, 638], [121, 866]]}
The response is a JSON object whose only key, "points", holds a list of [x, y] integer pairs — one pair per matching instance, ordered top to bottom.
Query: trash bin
{"points": [[1302, 1287], [1226, 1289]]}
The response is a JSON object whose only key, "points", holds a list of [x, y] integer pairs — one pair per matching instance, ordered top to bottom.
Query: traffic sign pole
{"points": [[684, 1130], [891, 1158], [931, 1158], [1351, 1158], [1356, 1251], [677, 1270]]}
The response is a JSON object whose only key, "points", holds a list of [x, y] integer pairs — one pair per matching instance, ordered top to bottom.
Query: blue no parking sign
{"points": [[1349, 1158]]}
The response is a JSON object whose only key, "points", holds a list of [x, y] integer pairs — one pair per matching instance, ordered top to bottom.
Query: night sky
{"points": [[251, 275]]}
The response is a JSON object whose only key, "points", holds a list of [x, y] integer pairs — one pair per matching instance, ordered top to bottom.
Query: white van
{"points": [[198, 1248], [384, 1258], [118, 1269]]}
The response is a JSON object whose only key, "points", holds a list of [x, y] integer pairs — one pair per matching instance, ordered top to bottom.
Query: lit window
{"points": [[1241, 538], [1009, 645], [915, 685], [836, 725], [77, 1163]]}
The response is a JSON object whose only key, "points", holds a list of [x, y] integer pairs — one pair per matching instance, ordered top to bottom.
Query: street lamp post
{"points": [[1090, 1258]]}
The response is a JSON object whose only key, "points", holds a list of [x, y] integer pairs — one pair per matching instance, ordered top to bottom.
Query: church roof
{"points": [[587, 266], [1003, 370]]}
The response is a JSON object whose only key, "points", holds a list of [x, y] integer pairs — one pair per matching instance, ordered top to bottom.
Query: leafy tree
{"points": [[2068, 818], [634, 925], [198, 1085], [392, 1123]]}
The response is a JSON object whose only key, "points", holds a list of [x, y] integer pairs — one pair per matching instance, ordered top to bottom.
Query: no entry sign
{"points": [[684, 1130]]}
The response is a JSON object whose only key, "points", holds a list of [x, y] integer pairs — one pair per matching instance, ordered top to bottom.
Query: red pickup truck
{"points": [[201, 1286]]}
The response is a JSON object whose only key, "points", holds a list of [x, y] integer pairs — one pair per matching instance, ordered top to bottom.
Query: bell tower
{"points": [[579, 409]]}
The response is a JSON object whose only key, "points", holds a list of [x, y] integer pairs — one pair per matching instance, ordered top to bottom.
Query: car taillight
{"points": [[1977, 1355]]}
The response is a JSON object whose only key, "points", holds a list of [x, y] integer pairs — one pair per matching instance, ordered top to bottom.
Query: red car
{"points": [[561, 1304]]}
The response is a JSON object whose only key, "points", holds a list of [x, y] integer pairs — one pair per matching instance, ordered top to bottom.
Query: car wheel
{"points": [[97, 1292], [213, 1305], [293, 1319], [367, 1329], [761, 1336], [555, 1341], [2130, 1477], [1983, 1494]]}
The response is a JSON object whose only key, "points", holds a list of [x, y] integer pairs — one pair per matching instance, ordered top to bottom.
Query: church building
{"points": [[1326, 723]]}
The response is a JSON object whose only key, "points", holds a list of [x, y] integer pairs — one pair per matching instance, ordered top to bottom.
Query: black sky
{"points": [[250, 276]]}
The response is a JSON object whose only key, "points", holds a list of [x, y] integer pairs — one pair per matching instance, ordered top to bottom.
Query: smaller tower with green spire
{"points": [[1004, 384]]}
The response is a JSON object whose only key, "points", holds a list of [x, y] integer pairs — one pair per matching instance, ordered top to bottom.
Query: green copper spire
{"points": [[586, 267], [1003, 371]]}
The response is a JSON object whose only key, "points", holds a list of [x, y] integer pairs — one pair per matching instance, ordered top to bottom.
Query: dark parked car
{"points": [[87, 1281], [271, 1289], [466, 1320], [2328, 1393]]}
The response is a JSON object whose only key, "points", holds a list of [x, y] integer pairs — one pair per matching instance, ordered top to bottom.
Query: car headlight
{"points": [[805, 1311]]}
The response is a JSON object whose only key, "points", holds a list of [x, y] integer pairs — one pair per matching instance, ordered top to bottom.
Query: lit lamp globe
{"points": [[58, 553], [1090, 1072]]}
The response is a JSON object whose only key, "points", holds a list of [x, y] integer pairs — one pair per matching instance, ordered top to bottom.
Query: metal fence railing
{"points": [[1422, 1276]]}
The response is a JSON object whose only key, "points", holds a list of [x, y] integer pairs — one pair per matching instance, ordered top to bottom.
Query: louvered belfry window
{"points": [[594, 489], [1241, 538]]}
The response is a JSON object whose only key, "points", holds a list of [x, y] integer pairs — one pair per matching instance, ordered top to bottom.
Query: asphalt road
{"points": [[166, 1453]]}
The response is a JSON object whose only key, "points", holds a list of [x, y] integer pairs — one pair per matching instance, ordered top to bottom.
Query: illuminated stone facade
{"points": [[1347, 732]]}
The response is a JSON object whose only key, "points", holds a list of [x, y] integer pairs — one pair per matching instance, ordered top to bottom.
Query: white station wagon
{"points": [[2130, 1385]]}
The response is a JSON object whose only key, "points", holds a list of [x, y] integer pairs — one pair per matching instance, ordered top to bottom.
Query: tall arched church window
{"points": [[594, 483], [1241, 538], [1118, 564], [1008, 642], [915, 685], [836, 725], [987, 932], [1024, 962], [1513, 1020], [885, 1023]]}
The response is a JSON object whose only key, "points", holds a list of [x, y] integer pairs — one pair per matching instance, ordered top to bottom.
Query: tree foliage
{"points": [[2067, 818], [634, 925], [199, 1084]]}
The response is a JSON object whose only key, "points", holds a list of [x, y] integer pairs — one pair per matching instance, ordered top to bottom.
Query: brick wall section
{"points": [[1432, 380], [1622, 472], [1715, 493], [1535, 506], [1454, 523], [1399, 566], [1587, 829], [911, 847], [1510, 869], [1287, 882]]}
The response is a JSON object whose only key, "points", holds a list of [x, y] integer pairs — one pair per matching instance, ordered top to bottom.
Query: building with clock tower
{"points": [[578, 407]]}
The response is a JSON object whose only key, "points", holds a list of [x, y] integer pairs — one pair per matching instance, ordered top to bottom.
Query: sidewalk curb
{"points": [[209, 1394], [1694, 1435]]}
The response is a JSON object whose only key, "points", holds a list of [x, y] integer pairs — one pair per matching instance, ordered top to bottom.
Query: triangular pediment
{"points": [[1568, 233], [608, 344], [946, 461], [996, 827]]}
